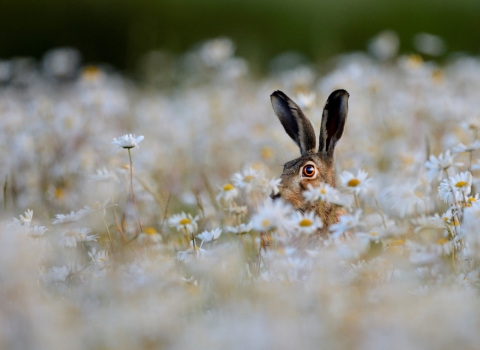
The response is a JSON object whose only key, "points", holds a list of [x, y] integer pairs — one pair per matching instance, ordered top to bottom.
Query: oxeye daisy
{"points": [[306, 100], [128, 141], [461, 148], [436, 166], [247, 179], [356, 183], [270, 187], [455, 187], [324, 192], [227, 193], [273, 214], [184, 222], [306, 223], [345, 223], [240, 229], [208, 236], [191, 254]]}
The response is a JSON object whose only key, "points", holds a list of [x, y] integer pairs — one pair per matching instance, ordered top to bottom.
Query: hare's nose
{"points": [[275, 196]]}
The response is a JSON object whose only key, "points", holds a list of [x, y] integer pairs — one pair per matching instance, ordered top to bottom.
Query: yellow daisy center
{"points": [[248, 178], [353, 182], [461, 184], [228, 187], [323, 191], [472, 199], [185, 221], [265, 223], [305, 223], [150, 231], [374, 234], [442, 241], [398, 242]]}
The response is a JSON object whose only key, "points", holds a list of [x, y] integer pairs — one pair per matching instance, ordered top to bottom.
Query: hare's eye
{"points": [[308, 170]]}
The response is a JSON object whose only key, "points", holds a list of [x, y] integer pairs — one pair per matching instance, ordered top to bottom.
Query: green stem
{"points": [[133, 193]]}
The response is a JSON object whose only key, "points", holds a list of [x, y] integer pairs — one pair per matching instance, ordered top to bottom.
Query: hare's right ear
{"points": [[333, 122], [295, 123]]}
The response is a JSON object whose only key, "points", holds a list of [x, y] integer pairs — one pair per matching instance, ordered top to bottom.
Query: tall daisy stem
{"points": [[133, 193]]}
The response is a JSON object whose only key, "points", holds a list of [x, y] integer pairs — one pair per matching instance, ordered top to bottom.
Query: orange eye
{"points": [[308, 170]]}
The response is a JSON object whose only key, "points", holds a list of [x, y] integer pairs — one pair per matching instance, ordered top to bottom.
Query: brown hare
{"points": [[313, 166]]}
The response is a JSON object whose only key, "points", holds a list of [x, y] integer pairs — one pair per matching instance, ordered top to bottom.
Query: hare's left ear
{"points": [[333, 122], [295, 123]]}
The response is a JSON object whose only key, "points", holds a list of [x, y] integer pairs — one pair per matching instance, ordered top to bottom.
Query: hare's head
{"points": [[314, 166]]}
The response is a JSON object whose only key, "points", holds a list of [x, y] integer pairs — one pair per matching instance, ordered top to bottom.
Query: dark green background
{"points": [[119, 31]]}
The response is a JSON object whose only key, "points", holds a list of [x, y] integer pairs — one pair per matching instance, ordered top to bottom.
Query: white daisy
{"points": [[306, 100], [127, 141], [470, 148], [436, 166], [103, 175], [248, 179], [356, 183], [460, 184], [270, 187], [324, 192], [227, 193], [237, 210], [272, 214], [72, 217], [24, 220], [184, 222], [306, 223], [345, 223], [428, 223], [240, 229], [37, 231], [208, 236], [71, 237], [189, 254], [100, 258]]}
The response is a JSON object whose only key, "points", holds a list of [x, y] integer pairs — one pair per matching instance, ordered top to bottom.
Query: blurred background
{"points": [[119, 33]]}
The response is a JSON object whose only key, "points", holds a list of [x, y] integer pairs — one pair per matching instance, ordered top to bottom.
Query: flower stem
{"points": [[133, 193]]}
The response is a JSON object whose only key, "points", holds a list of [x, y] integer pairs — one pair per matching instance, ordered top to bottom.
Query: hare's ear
{"points": [[333, 121], [295, 123]]}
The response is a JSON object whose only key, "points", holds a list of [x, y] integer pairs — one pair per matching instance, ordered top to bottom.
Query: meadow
{"points": [[166, 237]]}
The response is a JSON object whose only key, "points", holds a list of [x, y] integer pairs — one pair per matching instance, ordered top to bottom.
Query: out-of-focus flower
{"points": [[429, 44], [385, 45], [217, 51], [306, 100], [128, 141], [461, 148], [436, 166], [103, 175], [247, 179], [356, 183], [270, 187], [455, 187], [227, 193], [237, 210], [272, 214], [72, 217], [25, 220], [184, 222], [306, 223], [345, 223], [428, 223], [240, 229], [149, 235], [72, 236], [208, 236], [189, 254], [100, 258]]}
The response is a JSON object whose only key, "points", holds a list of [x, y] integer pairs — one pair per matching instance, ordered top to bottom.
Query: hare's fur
{"points": [[299, 128]]}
